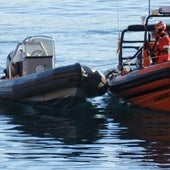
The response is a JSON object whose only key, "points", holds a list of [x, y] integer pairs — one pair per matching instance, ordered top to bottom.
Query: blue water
{"points": [[99, 133]]}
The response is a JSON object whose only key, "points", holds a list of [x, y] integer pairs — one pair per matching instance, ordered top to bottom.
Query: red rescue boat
{"points": [[137, 80]]}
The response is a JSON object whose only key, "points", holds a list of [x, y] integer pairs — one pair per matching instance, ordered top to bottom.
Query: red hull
{"points": [[146, 88], [157, 100]]}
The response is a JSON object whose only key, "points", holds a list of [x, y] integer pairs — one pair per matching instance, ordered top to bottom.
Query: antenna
{"points": [[149, 7], [118, 21], [118, 25]]}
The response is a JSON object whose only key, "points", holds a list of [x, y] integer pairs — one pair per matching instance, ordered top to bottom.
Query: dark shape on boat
{"points": [[31, 76], [137, 80]]}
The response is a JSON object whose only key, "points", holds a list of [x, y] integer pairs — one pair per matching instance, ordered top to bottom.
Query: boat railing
{"points": [[135, 45], [138, 45]]}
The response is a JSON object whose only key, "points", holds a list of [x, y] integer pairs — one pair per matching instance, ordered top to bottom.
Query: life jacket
{"points": [[146, 55]]}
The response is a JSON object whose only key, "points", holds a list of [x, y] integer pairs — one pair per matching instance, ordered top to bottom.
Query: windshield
{"points": [[38, 46]]}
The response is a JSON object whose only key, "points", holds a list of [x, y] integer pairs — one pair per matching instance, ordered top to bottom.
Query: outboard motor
{"points": [[93, 81]]}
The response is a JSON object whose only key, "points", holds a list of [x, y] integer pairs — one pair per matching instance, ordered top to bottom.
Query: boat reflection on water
{"points": [[69, 126], [99, 129], [147, 129]]}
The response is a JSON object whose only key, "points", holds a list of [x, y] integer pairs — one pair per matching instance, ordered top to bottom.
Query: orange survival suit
{"points": [[162, 44]]}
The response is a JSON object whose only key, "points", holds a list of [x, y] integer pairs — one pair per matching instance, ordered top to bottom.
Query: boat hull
{"points": [[72, 81], [146, 88]]}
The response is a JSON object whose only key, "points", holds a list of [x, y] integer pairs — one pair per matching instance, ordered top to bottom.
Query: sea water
{"points": [[96, 134]]}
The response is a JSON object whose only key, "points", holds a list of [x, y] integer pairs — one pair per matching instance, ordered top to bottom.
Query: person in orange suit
{"points": [[162, 44]]}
